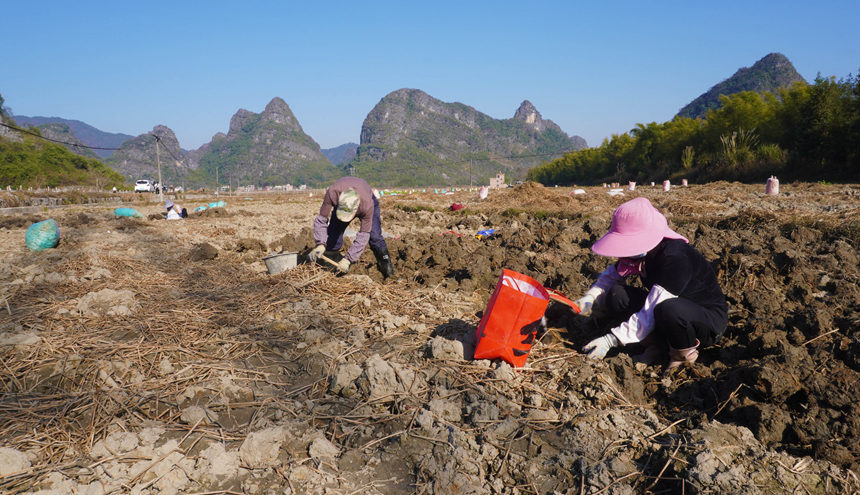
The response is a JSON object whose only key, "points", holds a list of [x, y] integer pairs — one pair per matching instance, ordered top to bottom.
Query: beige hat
{"points": [[347, 205]]}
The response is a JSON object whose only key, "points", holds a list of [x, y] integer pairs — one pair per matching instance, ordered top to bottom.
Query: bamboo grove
{"points": [[804, 132]]}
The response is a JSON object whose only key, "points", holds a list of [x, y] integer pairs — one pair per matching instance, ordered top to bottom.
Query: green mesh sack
{"points": [[127, 212], [43, 235]]}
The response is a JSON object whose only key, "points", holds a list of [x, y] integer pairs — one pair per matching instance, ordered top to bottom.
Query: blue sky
{"points": [[595, 68]]}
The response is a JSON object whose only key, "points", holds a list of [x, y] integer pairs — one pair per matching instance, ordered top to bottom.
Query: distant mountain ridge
{"points": [[771, 72], [58, 131], [87, 134], [411, 138], [268, 148], [341, 154]]}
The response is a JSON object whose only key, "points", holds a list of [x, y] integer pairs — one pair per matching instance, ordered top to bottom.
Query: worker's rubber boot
{"points": [[383, 262], [677, 357]]}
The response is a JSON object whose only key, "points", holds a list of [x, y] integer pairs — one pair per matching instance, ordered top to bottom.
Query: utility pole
{"points": [[158, 162], [216, 179]]}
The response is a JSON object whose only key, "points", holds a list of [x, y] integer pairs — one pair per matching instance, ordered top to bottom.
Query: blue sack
{"points": [[199, 209], [127, 212], [483, 234], [42, 235]]}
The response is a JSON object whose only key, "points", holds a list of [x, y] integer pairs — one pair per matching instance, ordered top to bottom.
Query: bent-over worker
{"points": [[351, 197], [174, 211], [681, 304]]}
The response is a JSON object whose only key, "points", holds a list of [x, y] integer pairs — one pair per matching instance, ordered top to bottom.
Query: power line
{"points": [[157, 138], [79, 145]]}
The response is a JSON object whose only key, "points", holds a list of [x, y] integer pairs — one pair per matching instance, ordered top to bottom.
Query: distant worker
{"points": [[351, 197], [174, 211], [681, 305]]}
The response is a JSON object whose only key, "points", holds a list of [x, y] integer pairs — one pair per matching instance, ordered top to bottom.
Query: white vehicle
{"points": [[143, 185]]}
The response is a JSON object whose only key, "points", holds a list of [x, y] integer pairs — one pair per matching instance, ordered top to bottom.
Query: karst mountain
{"points": [[772, 72], [411, 138], [264, 148], [138, 157]]}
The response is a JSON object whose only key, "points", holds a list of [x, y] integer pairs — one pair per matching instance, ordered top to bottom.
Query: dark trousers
{"points": [[336, 229], [678, 321]]}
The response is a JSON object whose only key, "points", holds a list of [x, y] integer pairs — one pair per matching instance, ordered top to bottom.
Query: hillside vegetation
{"points": [[805, 132], [62, 133], [412, 139], [268, 148], [28, 161], [35, 163]]}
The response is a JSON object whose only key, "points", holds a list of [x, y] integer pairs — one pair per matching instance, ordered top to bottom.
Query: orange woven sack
{"points": [[512, 318]]}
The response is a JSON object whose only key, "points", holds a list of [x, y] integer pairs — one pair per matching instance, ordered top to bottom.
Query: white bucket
{"points": [[684, 182], [666, 185], [631, 186], [771, 188], [276, 263]]}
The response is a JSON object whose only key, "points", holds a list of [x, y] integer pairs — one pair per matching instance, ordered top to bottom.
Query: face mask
{"points": [[630, 266]]}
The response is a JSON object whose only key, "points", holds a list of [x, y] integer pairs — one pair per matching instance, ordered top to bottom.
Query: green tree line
{"points": [[804, 132]]}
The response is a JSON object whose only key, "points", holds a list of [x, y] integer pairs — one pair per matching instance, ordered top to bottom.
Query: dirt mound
{"points": [[210, 212], [78, 220], [14, 221], [294, 243], [248, 244], [203, 252]]}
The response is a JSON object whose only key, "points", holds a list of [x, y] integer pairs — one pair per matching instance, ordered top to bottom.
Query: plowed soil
{"points": [[160, 357]]}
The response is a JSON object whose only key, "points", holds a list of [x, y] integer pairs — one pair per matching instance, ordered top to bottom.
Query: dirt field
{"points": [[147, 356]]}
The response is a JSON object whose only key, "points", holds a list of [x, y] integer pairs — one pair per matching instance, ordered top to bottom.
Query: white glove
{"points": [[315, 253], [343, 265], [585, 304], [598, 347]]}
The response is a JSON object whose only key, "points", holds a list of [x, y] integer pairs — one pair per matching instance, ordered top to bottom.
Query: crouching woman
{"points": [[681, 306]]}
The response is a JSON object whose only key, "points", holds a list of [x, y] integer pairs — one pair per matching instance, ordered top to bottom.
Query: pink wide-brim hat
{"points": [[637, 227]]}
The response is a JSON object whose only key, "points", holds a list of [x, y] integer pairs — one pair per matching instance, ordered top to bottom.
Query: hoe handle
{"points": [[328, 260]]}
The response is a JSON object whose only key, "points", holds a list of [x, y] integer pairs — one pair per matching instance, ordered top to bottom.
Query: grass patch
{"points": [[414, 208], [512, 212], [543, 214], [746, 220]]}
